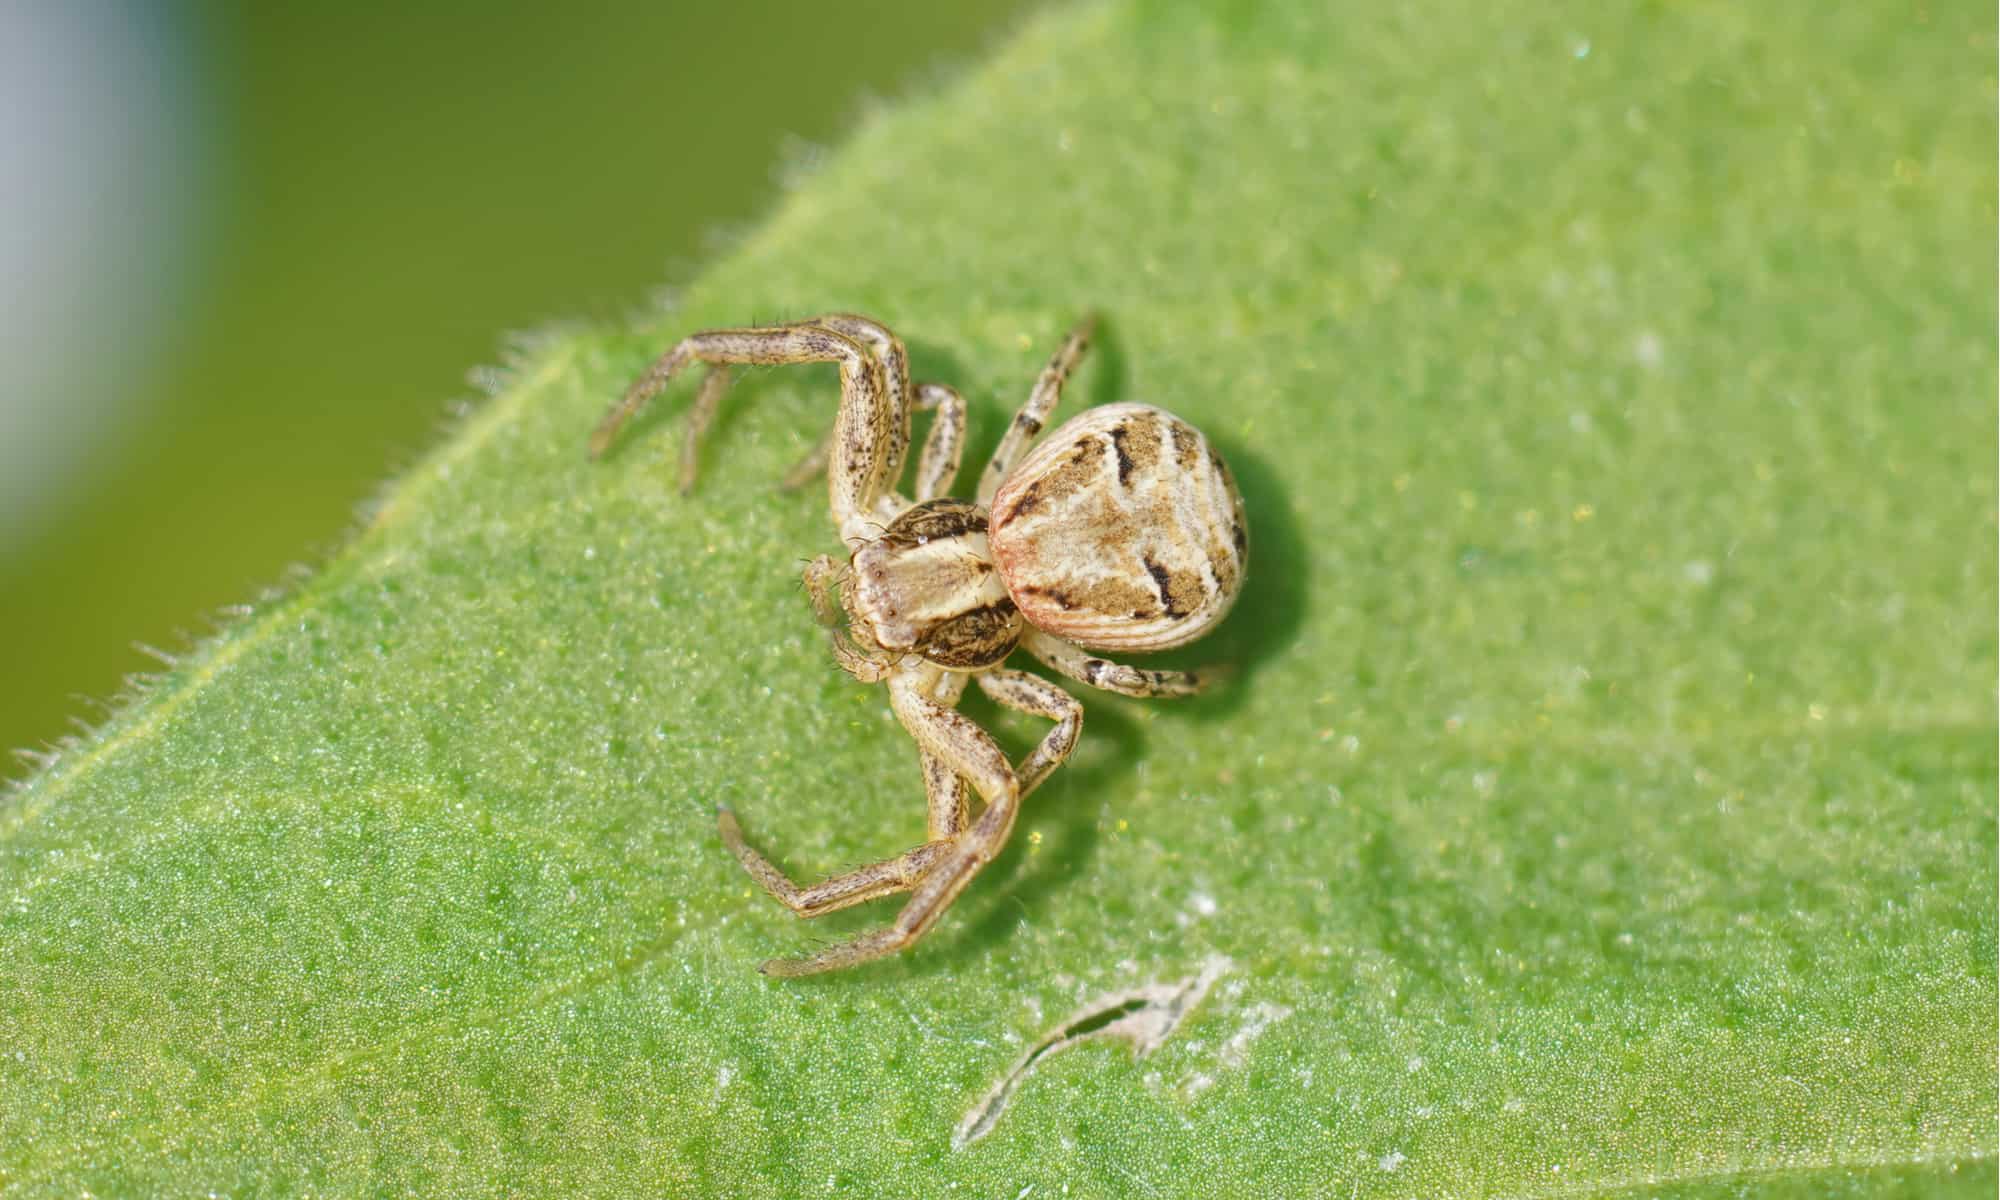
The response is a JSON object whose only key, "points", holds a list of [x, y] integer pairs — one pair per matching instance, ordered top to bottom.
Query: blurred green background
{"points": [[310, 221]]}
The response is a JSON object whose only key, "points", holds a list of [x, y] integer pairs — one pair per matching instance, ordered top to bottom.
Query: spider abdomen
{"points": [[1122, 530]]}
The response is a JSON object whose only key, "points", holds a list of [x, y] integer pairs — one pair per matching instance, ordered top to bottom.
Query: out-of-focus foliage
{"points": [[392, 188]]}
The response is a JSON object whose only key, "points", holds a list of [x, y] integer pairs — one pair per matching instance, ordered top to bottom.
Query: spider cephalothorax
{"points": [[1122, 530], [927, 586]]}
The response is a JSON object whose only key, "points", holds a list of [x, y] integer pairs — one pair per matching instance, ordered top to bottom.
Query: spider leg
{"points": [[888, 350], [701, 414], [1034, 414], [870, 432], [943, 447], [937, 466], [808, 468], [821, 577], [865, 662], [1084, 667], [1032, 694], [968, 751], [944, 788], [945, 791], [891, 875], [843, 891]]}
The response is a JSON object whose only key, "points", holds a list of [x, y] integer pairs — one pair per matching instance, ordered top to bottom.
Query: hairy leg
{"points": [[888, 350], [701, 414], [1034, 414], [866, 429], [945, 446], [937, 466], [808, 468], [1084, 667], [1032, 694], [970, 753], [944, 788], [946, 819], [891, 875]]}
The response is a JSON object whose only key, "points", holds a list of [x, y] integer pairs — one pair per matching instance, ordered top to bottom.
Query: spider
{"points": [[1121, 531]]}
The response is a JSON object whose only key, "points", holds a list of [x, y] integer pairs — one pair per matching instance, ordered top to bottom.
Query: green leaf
{"points": [[1606, 803]]}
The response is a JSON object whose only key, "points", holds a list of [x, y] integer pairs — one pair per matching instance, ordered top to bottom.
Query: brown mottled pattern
{"points": [[894, 362], [1062, 478], [935, 519], [1122, 530], [927, 585], [977, 638]]}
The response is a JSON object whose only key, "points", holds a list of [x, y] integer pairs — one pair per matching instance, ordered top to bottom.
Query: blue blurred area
{"points": [[103, 145], [266, 242]]}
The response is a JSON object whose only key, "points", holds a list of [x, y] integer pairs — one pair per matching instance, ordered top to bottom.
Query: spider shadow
{"points": [[1109, 381], [1272, 605], [1022, 882]]}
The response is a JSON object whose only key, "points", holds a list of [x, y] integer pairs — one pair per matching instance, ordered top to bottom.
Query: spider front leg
{"points": [[888, 350], [1028, 423], [870, 431], [937, 466], [970, 753], [946, 820], [898, 874]]}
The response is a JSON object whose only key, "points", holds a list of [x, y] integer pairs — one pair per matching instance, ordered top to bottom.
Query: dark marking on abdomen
{"points": [[1118, 436], [1164, 580], [1064, 602]]}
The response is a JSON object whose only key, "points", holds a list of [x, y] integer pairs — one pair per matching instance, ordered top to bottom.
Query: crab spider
{"points": [[1120, 531]]}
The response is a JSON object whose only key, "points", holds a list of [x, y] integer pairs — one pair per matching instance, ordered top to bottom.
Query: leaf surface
{"points": [[1606, 804]]}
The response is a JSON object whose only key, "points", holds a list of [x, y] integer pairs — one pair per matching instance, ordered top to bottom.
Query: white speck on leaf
{"points": [[1649, 350], [1256, 1019]]}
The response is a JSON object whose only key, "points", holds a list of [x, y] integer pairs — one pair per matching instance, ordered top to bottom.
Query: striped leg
{"points": [[1034, 414], [866, 437], [943, 447], [1084, 667], [1032, 694], [970, 753]]}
